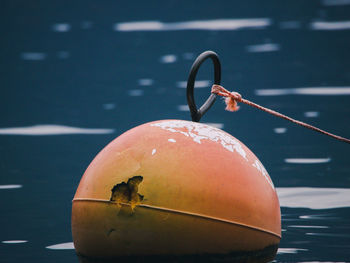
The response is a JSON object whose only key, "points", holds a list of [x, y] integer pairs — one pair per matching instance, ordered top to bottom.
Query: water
{"points": [[75, 75]]}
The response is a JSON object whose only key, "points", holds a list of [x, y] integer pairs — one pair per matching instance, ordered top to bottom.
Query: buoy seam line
{"points": [[231, 105], [181, 212]]}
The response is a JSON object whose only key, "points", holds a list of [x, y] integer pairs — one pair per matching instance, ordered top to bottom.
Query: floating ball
{"points": [[176, 188]]}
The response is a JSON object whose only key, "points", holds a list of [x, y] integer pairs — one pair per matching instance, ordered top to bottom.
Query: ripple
{"points": [[218, 24], [336, 25], [61, 27], [269, 47], [33, 56], [167, 59], [145, 82], [197, 84], [304, 91], [135, 92], [108, 106], [183, 107], [311, 114], [216, 125], [51, 130], [280, 130], [307, 160], [11, 186], [313, 198], [303, 226], [14, 241], [68, 245], [290, 250]]}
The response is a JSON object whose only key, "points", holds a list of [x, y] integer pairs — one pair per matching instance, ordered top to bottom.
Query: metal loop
{"points": [[196, 114]]}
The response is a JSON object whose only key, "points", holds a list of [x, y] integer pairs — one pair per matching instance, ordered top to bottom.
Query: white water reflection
{"points": [[335, 2], [218, 24], [338, 25], [61, 27], [268, 47], [33, 56], [167, 59], [145, 82], [197, 84], [304, 91], [135, 92], [108, 106], [183, 107], [311, 114], [216, 125], [51, 130], [280, 130], [307, 160], [10, 186], [313, 198], [302, 226], [14, 241], [68, 245], [290, 250]]}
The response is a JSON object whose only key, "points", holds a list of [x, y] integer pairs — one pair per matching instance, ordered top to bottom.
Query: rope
{"points": [[231, 99]]}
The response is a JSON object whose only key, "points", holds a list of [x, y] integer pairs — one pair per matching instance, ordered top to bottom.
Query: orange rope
{"points": [[231, 99]]}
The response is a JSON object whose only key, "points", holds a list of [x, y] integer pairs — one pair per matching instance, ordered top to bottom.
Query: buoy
{"points": [[175, 188]]}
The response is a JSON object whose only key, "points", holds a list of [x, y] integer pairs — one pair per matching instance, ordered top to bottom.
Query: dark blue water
{"points": [[76, 74]]}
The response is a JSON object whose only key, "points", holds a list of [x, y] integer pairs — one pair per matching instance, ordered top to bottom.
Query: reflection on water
{"points": [[218, 24], [339, 25], [62, 27], [268, 47], [33, 56], [167, 59], [145, 82], [197, 84], [304, 91], [135, 92], [108, 106], [183, 108], [311, 114], [51, 130], [280, 130], [307, 160], [10, 186], [313, 198], [301, 226], [14, 241], [68, 245], [290, 250]]}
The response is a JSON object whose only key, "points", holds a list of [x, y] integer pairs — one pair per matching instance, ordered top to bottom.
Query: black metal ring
{"points": [[196, 115]]}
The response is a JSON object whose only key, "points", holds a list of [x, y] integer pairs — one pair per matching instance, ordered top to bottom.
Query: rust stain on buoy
{"points": [[127, 192]]}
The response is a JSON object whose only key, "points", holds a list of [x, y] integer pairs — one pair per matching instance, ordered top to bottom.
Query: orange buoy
{"points": [[173, 188]]}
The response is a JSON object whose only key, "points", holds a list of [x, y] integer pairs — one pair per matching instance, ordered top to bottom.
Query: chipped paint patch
{"points": [[199, 132], [171, 140], [154, 151], [258, 165]]}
